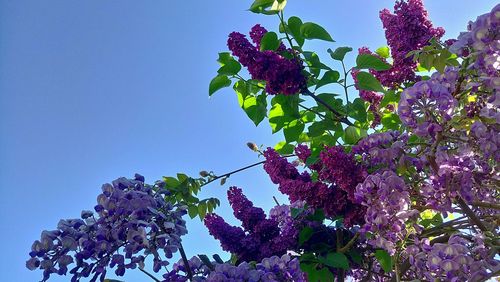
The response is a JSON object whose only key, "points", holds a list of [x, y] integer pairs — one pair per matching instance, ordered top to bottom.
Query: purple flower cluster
{"points": [[407, 29], [482, 42], [282, 75], [428, 104], [488, 139], [384, 148], [340, 168], [461, 173], [339, 175], [387, 199], [132, 217], [289, 226], [259, 238], [457, 260], [275, 268], [283, 269], [179, 272]]}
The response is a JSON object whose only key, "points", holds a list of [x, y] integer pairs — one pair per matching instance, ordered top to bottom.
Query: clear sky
{"points": [[96, 89]]}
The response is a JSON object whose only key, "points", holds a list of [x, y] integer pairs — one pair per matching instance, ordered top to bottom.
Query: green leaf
{"points": [[260, 6], [294, 23], [314, 31], [269, 41], [383, 52], [339, 53], [224, 58], [313, 61], [367, 61], [426, 61], [440, 62], [230, 68], [330, 76], [367, 81], [218, 83], [389, 97], [331, 100], [256, 108], [284, 109], [357, 110], [307, 116], [391, 121], [316, 129], [293, 130], [351, 135], [284, 148], [182, 177], [171, 182], [202, 210], [192, 211], [294, 212], [318, 216], [305, 234], [355, 256], [217, 258], [384, 259], [336, 260], [206, 261], [310, 269], [325, 275]]}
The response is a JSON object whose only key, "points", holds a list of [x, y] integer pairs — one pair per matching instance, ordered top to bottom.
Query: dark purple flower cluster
{"points": [[406, 30], [282, 75], [428, 104], [340, 168], [333, 192], [387, 199], [132, 217], [259, 238], [457, 260]]}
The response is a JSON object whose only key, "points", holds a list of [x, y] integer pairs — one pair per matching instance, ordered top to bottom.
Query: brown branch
{"points": [[486, 205], [470, 213], [349, 244]]}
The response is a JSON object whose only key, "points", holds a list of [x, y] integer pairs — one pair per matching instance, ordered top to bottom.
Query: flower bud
{"points": [[252, 146], [204, 173]]}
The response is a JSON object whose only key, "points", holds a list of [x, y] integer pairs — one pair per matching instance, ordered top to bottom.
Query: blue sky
{"points": [[93, 90]]}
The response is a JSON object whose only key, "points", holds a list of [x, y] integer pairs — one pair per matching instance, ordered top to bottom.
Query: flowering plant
{"points": [[398, 184]]}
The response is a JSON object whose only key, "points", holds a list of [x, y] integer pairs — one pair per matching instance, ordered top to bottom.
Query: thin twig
{"points": [[335, 112], [317, 113], [238, 170], [276, 201], [149, 274]]}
